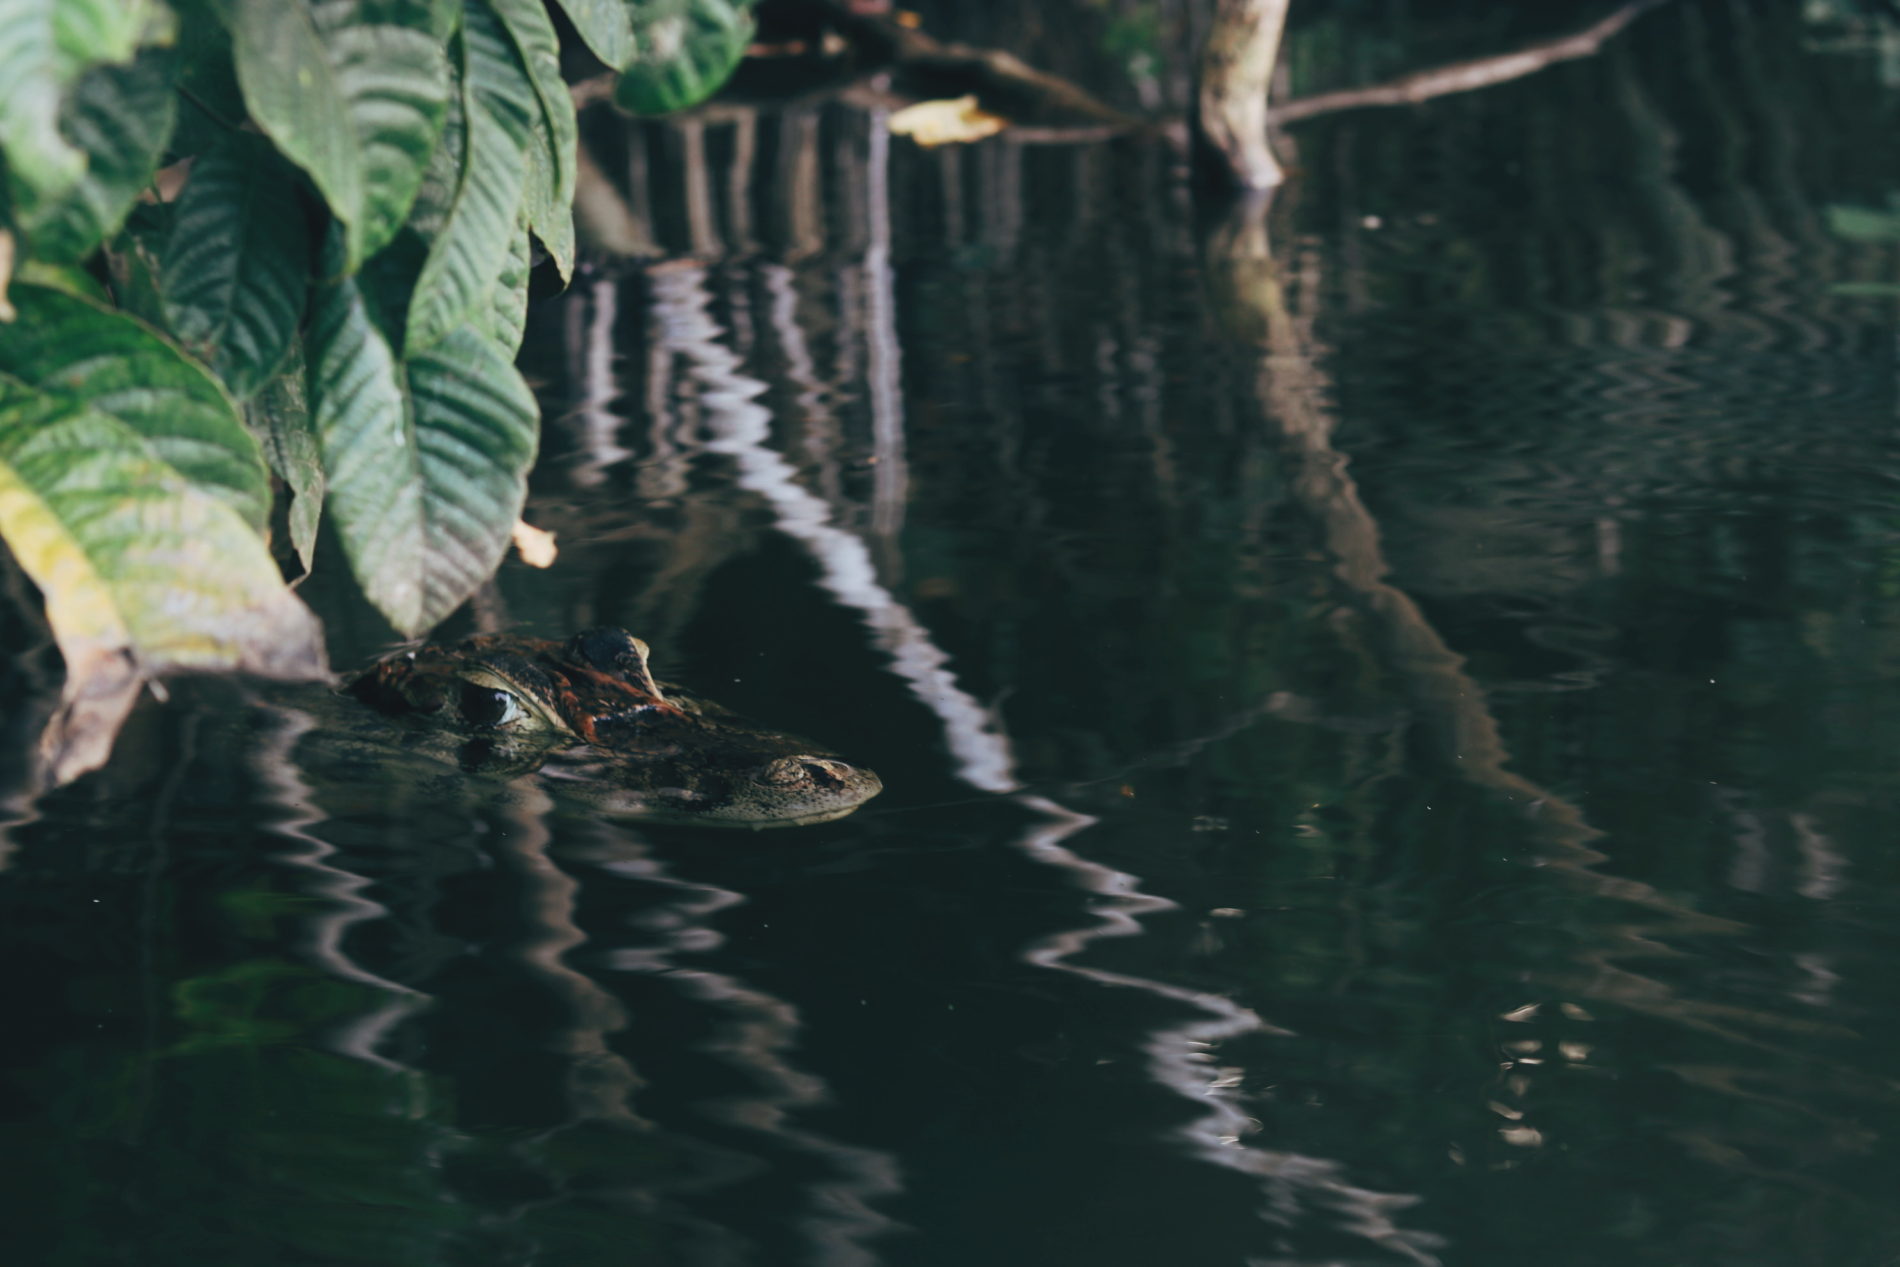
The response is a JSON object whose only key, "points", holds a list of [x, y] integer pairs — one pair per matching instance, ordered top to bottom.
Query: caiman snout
{"points": [[787, 791]]}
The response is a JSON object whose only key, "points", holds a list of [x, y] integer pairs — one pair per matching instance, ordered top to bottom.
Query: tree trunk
{"points": [[1236, 70]]}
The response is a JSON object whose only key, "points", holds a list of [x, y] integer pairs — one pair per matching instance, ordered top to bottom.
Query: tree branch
{"points": [[990, 70], [1482, 72]]}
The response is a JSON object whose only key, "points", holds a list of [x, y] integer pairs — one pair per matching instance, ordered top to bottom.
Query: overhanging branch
{"points": [[1481, 72]]}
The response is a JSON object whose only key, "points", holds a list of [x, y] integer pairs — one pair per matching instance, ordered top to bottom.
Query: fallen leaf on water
{"points": [[947, 122], [535, 545]]}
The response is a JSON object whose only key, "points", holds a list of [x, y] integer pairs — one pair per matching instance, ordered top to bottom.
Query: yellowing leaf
{"points": [[947, 122], [6, 275], [141, 570]]}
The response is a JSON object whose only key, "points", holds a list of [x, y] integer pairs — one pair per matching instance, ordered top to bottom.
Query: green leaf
{"points": [[604, 27], [92, 31], [44, 46], [687, 50], [397, 79], [295, 94], [213, 104], [358, 105], [499, 108], [119, 117], [443, 175], [549, 197], [548, 208], [1864, 224], [236, 266], [70, 278], [508, 313], [119, 367], [279, 415], [477, 429], [368, 449], [427, 463], [140, 569]]}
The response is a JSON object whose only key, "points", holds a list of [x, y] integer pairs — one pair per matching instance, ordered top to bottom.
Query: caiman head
{"points": [[589, 715]]}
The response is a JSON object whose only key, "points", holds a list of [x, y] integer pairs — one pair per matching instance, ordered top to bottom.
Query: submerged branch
{"points": [[1481, 72], [1294, 392], [1451, 706], [1454, 717]]}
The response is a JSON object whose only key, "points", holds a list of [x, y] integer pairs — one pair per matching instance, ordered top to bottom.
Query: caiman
{"points": [[588, 713]]}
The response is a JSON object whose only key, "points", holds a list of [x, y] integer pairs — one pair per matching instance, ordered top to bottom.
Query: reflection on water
{"points": [[1385, 703]]}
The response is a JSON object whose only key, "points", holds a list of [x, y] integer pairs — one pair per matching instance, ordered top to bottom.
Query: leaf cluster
{"points": [[251, 238]]}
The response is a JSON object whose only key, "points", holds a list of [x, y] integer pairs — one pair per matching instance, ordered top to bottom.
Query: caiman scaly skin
{"points": [[588, 714]]}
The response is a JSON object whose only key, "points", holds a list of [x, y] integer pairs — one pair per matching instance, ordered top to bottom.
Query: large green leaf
{"points": [[604, 26], [92, 31], [44, 46], [686, 50], [396, 76], [295, 94], [212, 104], [356, 104], [499, 110], [119, 117], [443, 176], [549, 197], [548, 207], [236, 266], [70, 278], [507, 316], [116, 365], [279, 416], [477, 429], [427, 462], [374, 490], [141, 570]]}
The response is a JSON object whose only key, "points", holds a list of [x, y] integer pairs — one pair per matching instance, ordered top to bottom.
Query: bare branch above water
{"points": [[1464, 76]]}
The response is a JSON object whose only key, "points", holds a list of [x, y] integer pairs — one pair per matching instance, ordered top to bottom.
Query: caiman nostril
{"points": [[785, 772], [803, 772], [829, 774]]}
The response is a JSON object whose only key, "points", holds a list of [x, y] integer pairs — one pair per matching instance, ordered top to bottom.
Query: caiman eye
{"points": [[486, 706]]}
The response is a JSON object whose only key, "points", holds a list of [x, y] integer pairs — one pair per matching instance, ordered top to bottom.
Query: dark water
{"points": [[1391, 737]]}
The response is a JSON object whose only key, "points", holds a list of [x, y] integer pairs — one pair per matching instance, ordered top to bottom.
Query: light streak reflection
{"points": [[345, 904], [758, 1030], [1178, 1055]]}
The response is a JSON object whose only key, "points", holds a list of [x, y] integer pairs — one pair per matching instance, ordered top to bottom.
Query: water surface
{"points": [[1387, 713]]}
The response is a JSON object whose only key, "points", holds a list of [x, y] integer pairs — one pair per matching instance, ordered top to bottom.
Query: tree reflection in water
{"points": [[1480, 841]]}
